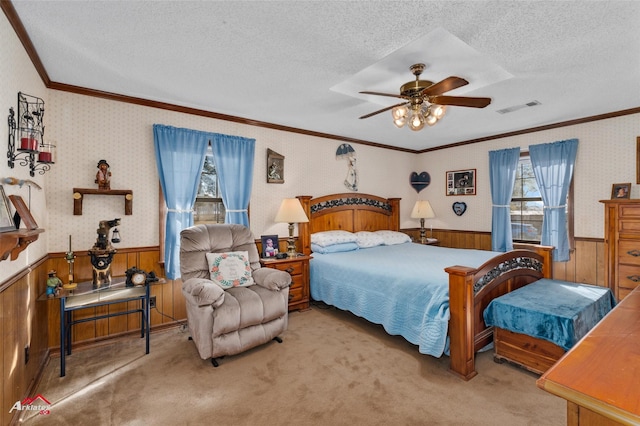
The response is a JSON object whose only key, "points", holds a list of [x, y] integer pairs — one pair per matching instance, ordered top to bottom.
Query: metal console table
{"points": [[85, 296]]}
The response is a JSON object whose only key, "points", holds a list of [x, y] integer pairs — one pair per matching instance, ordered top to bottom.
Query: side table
{"points": [[298, 268], [85, 296]]}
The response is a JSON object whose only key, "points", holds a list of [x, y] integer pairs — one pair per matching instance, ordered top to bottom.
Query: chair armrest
{"points": [[272, 279], [203, 292]]}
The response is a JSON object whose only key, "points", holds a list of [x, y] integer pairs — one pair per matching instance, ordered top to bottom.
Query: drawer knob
{"points": [[634, 253], [290, 269], [634, 278]]}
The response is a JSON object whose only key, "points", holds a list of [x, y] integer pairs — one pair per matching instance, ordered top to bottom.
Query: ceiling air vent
{"points": [[517, 107]]}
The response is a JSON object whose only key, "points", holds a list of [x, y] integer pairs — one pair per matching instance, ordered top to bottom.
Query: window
{"points": [[527, 205], [209, 207]]}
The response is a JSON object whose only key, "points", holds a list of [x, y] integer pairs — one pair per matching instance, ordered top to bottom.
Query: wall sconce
{"points": [[30, 131], [291, 212]]}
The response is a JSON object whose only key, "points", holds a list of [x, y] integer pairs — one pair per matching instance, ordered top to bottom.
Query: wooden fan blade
{"points": [[445, 85], [384, 94], [460, 101], [382, 110]]}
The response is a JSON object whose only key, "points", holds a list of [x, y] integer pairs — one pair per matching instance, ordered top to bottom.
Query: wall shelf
{"points": [[79, 193], [13, 242]]}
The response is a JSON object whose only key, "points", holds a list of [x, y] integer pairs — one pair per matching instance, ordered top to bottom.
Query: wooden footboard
{"points": [[471, 290]]}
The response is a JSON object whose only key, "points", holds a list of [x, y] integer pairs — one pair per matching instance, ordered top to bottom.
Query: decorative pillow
{"points": [[393, 237], [329, 238], [366, 239], [335, 248], [231, 269]]}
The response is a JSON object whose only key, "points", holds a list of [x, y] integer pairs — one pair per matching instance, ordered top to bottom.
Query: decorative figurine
{"points": [[103, 177], [101, 254], [54, 284]]}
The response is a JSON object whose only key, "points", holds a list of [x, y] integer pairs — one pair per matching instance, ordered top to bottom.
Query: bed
{"points": [[444, 316]]}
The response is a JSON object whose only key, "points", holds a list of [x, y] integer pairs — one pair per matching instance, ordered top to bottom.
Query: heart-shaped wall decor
{"points": [[419, 181], [459, 207]]}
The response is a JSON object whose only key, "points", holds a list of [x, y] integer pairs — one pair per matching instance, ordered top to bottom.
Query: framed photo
{"points": [[275, 167], [461, 182], [620, 191], [23, 212], [6, 221], [269, 245]]}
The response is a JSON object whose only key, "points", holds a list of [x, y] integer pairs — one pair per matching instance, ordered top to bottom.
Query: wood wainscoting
{"points": [[586, 263], [170, 304], [29, 323]]}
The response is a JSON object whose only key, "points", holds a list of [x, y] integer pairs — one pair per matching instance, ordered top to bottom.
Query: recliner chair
{"points": [[233, 320]]}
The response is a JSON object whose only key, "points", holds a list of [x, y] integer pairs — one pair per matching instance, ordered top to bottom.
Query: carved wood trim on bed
{"points": [[349, 212], [470, 290]]}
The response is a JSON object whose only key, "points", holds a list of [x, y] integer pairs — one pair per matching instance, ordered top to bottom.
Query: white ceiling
{"points": [[301, 64]]}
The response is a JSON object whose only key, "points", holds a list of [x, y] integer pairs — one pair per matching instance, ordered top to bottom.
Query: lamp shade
{"points": [[422, 210], [291, 211]]}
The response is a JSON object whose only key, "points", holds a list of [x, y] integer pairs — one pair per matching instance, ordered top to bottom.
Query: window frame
{"points": [[570, 208]]}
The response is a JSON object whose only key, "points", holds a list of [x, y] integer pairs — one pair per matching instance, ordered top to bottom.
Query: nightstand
{"points": [[298, 268]]}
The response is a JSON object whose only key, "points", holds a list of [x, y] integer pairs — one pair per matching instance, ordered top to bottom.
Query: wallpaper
{"points": [[17, 74], [87, 129]]}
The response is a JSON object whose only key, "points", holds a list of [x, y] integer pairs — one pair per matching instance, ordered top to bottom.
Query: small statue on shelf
{"points": [[103, 177], [54, 284]]}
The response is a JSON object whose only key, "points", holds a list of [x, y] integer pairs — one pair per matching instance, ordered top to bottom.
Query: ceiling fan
{"points": [[423, 100]]}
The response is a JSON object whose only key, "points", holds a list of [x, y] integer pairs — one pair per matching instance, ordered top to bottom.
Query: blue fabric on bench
{"points": [[558, 311]]}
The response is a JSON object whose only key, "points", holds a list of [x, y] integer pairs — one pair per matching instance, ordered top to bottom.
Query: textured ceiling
{"points": [[301, 64]]}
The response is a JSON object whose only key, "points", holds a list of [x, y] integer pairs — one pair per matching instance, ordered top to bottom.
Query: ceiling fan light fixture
{"points": [[438, 111], [399, 112], [431, 119], [417, 121], [400, 122]]}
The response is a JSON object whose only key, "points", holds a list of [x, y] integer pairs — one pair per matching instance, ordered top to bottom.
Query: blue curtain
{"points": [[179, 156], [233, 156], [553, 167], [502, 169]]}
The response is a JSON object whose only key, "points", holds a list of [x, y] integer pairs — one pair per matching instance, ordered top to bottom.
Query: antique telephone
{"points": [[102, 253]]}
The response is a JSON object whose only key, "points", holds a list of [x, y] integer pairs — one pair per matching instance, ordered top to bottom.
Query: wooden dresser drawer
{"points": [[629, 210], [631, 227], [629, 252], [293, 268], [629, 276], [295, 294]]}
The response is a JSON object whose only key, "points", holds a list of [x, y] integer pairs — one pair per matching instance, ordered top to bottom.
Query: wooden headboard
{"points": [[349, 211]]}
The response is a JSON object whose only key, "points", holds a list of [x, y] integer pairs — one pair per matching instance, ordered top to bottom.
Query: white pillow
{"points": [[394, 237], [329, 238], [366, 239], [335, 248], [231, 269]]}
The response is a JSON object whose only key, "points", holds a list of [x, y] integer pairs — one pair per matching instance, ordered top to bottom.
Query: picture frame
{"points": [[275, 167], [461, 182], [621, 191], [23, 212], [6, 221], [270, 246]]}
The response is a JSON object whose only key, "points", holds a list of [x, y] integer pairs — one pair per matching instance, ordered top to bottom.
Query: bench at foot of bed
{"points": [[531, 353]]}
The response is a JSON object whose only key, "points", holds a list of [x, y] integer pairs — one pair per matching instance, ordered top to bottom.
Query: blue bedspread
{"points": [[403, 287], [556, 311]]}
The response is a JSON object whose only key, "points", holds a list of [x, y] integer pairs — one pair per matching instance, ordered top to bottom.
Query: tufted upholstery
{"points": [[227, 322]]}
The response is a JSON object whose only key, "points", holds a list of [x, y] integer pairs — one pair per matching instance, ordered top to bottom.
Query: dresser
{"points": [[622, 245], [298, 268], [599, 376]]}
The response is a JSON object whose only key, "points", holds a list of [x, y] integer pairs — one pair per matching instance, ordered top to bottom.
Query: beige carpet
{"points": [[332, 369]]}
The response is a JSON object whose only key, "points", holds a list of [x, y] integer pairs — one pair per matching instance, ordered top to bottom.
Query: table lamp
{"points": [[422, 210], [291, 212]]}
